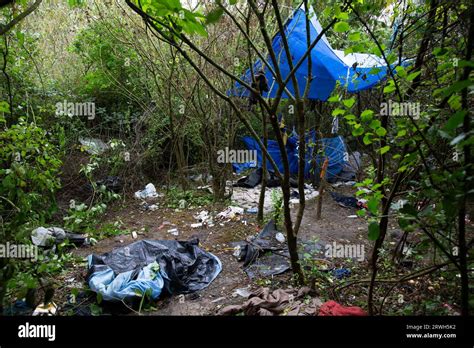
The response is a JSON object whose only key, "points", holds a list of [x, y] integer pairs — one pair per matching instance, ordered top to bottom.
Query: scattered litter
{"points": [[93, 146], [343, 183], [148, 192], [249, 198], [347, 201], [182, 204], [398, 205], [150, 207], [230, 213], [202, 216], [352, 216], [163, 224], [196, 225], [173, 231], [134, 235], [47, 237], [280, 237], [254, 253], [149, 266], [243, 292], [218, 299], [332, 308], [43, 309]]}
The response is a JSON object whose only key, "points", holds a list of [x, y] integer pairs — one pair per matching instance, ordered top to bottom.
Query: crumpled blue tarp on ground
{"points": [[152, 266]]}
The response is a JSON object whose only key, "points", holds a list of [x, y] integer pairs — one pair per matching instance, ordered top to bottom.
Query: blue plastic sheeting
{"points": [[355, 71], [334, 150], [152, 267], [117, 287]]}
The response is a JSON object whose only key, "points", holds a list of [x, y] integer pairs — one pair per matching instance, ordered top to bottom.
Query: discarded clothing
{"points": [[347, 201], [47, 237], [151, 266], [263, 303], [332, 308]]}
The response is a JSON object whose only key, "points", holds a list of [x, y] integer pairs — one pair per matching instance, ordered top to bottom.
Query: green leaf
{"points": [[214, 15], [342, 15], [341, 27], [354, 36], [401, 71], [413, 75], [456, 87], [389, 88], [349, 102], [338, 111], [366, 115], [350, 117], [455, 120], [375, 124], [358, 130], [381, 131], [401, 133], [367, 140], [384, 149], [373, 205], [408, 209], [374, 230]]}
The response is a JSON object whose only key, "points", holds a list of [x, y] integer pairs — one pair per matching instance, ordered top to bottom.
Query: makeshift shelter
{"points": [[354, 71], [334, 149]]}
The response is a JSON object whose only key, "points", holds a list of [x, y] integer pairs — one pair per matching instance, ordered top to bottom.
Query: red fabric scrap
{"points": [[332, 308]]}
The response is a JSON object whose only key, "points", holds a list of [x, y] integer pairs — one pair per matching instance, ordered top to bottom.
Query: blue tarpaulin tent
{"points": [[355, 71], [334, 150]]}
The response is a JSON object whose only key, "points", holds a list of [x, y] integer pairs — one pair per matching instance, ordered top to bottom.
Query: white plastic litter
{"points": [[93, 146], [148, 192], [248, 198], [230, 213], [202, 216], [196, 225], [173, 231], [134, 235], [280, 237], [236, 252], [243, 292], [43, 309]]}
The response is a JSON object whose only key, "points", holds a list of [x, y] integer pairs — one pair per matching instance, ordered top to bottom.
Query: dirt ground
{"points": [[334, 226]]}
